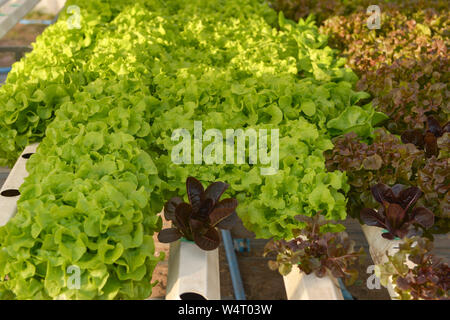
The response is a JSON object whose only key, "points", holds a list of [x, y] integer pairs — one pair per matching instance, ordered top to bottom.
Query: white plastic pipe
{"points": [[50, 6], [12, 11], [9, 191], [378, 247], [193, 273], [300, 286]]}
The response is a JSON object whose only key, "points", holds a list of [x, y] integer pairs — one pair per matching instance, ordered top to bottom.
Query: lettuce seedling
{"points": [[395, 215], [197, 220], [316, 250], [428, 279]]}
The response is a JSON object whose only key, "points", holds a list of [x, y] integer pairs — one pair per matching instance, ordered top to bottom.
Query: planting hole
{"points": [[27, 155], [10, 193], [191, 296]]}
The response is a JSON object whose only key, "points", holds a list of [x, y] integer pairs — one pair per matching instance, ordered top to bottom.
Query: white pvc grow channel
{"points": [[50, 6], [12, 11], [9, 193], [380, 248], [193, 273], [300, 286]]}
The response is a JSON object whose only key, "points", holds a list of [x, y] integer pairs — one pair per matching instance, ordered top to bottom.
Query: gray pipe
{"points": [[236, 279]]}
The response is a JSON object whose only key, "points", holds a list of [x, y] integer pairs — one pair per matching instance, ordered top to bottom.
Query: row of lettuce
{"points": [[404, 66], [89, 205]]}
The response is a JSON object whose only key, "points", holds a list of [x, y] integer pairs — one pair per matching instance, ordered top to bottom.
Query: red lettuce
{"points": [[427, 140], [386, 160], [397, 214], [197, 220], [428, 279]]}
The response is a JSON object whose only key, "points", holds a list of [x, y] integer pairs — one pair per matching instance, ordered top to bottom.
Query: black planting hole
{"points": [[27, 155], [10, 193], [191, 296]]}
